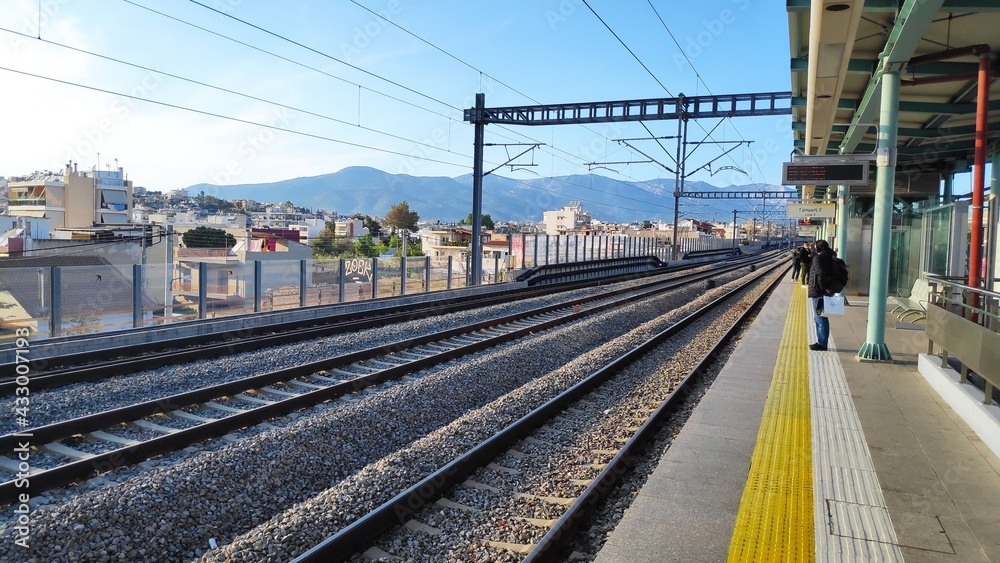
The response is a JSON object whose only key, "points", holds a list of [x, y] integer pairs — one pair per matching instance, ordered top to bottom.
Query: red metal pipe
{"points": [[973, 50], [941, 79], [979, 176]]}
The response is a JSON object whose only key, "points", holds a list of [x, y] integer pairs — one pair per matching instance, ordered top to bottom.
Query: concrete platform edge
{"points": [[964, 399]]}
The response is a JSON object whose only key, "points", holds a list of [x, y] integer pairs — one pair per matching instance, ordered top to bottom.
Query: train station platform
{"points": [[799, 455]]}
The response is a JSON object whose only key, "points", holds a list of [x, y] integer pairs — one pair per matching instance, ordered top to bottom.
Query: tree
{"points": [[212, 204], [400, 217], [485, 218], [374, 229], [208, 237], [323, 244], [365, 246], [413, 247]]}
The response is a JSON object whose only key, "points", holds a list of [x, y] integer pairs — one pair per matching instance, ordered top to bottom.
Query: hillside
{"points": [[371, 191]]}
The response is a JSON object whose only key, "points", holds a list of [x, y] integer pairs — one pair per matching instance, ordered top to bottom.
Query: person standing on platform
{"points": [[805, 260], [795, 262], [821, 284]]}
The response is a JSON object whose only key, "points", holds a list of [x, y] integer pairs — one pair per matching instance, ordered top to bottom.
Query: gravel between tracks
{"points": [[76, 400], [231, 493]]}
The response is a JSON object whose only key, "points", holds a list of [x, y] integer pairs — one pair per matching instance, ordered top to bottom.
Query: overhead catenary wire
{"points": [[184, 22], [326, 55], [286, 59], [467, 64], [646, 68], [700, 79], [393, 82], [233, 92], [297, 109], [231, 118]]}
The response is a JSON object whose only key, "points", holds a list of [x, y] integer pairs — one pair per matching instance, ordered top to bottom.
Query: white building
{"points": [[72, 199], [570, 219]]}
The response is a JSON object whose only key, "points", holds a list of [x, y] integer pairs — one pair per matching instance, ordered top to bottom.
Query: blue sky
{"points": [[406, 95]]}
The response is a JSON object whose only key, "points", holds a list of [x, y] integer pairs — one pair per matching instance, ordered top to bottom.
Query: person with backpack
{"points": [[805, 260], [796, 264], [821, 284]]}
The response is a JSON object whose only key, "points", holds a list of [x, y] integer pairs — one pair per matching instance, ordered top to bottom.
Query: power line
{"points": [[421, 39], [322, 54], [636, 57], [286, 59], [333, 76], [698, 76], [667, 90], [228, 91], [236, 119], [85, 246]]}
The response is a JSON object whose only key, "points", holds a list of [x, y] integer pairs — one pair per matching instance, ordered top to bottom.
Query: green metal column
{"points": [[949, 186], [843, 196], [994, 223], [874, 348]]}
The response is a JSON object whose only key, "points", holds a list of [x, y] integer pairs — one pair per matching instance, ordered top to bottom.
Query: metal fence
{"points": [[533, 250], [76, 300], [964, 321]]}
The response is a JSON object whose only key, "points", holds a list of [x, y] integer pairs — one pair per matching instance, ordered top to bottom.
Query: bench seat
{"points": [[913, 307]]}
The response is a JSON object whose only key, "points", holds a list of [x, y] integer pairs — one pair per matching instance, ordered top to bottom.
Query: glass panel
{"points": [[940, 229], [416, 268], [439, 274], [388, 277], [155, 278], [358, 279], [322, 282], [279, 285], [229, 287], [95, 299], [24, 302]]}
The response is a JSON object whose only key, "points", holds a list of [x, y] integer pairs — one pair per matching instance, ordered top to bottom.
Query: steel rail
{"points": [[289, 327], [103, 370], [130, 455], [360, 533], [561, 533]]}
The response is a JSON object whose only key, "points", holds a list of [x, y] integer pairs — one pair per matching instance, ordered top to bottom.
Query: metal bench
{"points": [[914, 306]]}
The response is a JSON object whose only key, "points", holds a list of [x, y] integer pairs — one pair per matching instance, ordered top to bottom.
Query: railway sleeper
{"points": [[305, 385], [276, 392], [184, 415], [147, 425], [102, 436], [65, 451], [470, 484], [446, 503], [418, 526], [518, 548]]}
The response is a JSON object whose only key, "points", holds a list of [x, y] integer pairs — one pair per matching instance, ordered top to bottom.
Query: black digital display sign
{"points": [[815, 173]]}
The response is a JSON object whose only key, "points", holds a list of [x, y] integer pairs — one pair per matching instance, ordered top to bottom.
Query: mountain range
{"points": [[370, 191]]}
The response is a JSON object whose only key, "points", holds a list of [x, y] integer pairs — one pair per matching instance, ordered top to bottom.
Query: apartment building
{"points": [[72, 198]]}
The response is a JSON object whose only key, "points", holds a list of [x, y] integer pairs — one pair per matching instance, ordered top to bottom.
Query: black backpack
{"points": [[840, 275]]}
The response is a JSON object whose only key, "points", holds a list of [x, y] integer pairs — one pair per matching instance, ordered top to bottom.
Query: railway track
{"points": [[93, 366], [96, 443], [567, 454]]}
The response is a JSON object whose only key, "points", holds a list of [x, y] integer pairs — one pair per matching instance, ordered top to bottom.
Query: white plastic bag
{"points": [[833, 304]]}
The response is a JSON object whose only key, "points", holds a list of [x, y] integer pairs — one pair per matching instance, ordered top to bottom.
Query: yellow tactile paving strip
{"points": [[775, 518]]}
